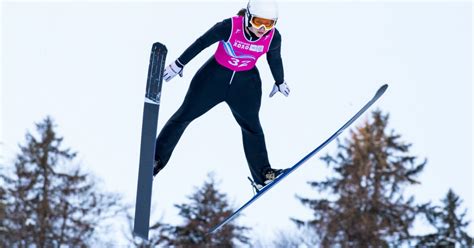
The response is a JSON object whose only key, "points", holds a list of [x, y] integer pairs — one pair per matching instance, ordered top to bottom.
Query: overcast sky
{"points": [[85, 65]]}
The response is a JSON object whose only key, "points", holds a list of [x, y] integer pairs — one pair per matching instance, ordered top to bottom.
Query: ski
{"points": [[378, 94], [147, 146]]}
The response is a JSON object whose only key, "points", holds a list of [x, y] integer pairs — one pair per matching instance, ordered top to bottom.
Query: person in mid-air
{"points": [[230, 76]]}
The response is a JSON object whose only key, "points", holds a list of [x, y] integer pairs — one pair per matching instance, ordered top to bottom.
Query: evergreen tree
{"points": [[3, 201], [49, 201], [365, 206], [206, 208], [448, 223]]}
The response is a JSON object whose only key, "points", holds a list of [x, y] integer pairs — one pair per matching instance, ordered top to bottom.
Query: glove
{"points": [[172, 70], [283, 88]]}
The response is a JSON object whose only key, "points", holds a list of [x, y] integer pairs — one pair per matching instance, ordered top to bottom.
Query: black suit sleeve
{"points": [[220, 31], [274, 58]]}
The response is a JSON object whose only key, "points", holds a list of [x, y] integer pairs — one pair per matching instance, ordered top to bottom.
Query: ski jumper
{"points": [[229, 76]]}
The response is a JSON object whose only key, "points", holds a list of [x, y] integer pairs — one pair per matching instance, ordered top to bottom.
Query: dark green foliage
{"points": [[49, 202], [205, 209], [448, 223]]}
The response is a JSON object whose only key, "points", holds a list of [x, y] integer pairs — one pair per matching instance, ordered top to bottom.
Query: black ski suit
{"points": [[213, 84]]}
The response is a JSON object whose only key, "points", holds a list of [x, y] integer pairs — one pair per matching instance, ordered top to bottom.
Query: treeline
{"points": [[46, 200]]}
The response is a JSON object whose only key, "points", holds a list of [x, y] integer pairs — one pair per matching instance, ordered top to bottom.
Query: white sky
{"points": [[85, 64]]}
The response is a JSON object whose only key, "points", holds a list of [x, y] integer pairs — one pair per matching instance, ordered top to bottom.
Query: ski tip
{"points": [[159, 46], [382, 89]]}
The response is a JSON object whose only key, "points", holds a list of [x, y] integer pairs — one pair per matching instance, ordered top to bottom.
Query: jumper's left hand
{"points": [[282, 88]]}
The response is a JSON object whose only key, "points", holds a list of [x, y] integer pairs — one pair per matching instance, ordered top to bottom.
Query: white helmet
{"points": [[267, 9]]}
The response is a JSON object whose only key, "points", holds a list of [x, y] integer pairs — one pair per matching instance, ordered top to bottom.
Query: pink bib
{"points": [[238, 53]]}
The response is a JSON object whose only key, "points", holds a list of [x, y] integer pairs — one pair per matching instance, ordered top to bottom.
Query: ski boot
{"points": [[270, 175]]}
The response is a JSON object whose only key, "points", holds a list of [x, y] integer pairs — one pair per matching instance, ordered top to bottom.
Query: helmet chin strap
{"points": [[247, 18], [249, 32]]}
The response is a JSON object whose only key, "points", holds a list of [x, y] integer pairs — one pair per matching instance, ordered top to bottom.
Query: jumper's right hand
{"points": [[172, 70]]}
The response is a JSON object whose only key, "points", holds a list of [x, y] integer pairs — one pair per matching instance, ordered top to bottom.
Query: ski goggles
{"points": [[258, 22]]}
